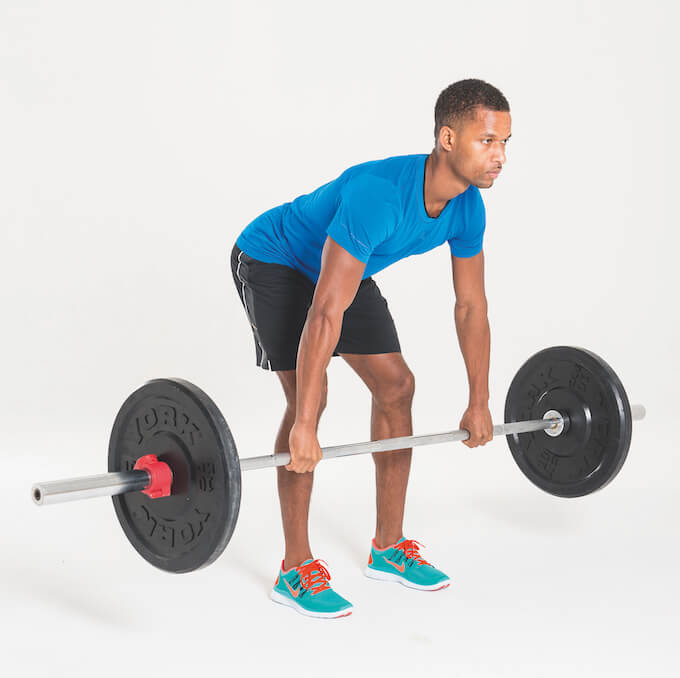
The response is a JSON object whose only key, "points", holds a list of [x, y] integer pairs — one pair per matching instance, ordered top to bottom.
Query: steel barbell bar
{"points": [[110, 484]]}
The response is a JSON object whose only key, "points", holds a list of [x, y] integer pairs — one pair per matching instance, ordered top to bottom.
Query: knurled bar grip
{"points": [[283, 458]]}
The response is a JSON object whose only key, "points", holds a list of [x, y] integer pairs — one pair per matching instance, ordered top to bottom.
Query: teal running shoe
{"points": [[403, 563], [306, 589]]}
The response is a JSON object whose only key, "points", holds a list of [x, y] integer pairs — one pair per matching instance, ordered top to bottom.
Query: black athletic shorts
{"points": [[276, 299]]}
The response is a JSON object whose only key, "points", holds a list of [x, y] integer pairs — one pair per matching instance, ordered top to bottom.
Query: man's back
{"points": [[375, 210]]}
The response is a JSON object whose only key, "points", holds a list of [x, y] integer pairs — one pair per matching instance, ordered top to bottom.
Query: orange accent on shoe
{"points": [[410, 549], [370, 559], [399, 567], [314, 577], [276, 583], [295, 592]]}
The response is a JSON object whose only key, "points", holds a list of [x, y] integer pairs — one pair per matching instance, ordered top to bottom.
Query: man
{"points": [[303, 272]]}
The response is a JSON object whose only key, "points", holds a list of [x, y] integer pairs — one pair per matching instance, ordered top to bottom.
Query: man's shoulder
{"points": [[385, 176]]}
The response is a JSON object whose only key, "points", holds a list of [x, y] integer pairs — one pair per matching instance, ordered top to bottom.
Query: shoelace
{"points": [[410, 550], [314, 576]]}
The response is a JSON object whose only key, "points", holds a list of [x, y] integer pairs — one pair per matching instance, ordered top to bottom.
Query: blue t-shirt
{"points": [[375, 211]]}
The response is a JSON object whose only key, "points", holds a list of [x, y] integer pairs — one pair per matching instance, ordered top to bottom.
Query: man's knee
{"points": [[395, 391]]}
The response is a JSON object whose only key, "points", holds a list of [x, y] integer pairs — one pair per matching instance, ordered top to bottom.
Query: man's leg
{"points": [[392, 386], [295, 489]]}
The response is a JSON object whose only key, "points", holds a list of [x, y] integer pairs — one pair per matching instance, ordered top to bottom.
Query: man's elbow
{"points": [[476, 306], [326, 313]]}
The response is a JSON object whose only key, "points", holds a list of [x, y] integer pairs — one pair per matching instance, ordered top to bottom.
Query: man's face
{"points": [[479, 147]]}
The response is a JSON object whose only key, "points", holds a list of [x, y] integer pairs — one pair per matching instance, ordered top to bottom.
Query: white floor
{"points": [[540, 586]]}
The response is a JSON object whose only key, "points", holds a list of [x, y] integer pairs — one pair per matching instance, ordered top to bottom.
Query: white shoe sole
{"points": [[389, 576], [284, 600]]}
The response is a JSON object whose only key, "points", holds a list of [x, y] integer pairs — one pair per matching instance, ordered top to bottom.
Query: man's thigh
{"points": [[367, 325]]}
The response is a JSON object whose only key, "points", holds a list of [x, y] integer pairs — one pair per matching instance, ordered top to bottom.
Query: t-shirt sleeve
{"points": [[367, 214], [469, 235]]}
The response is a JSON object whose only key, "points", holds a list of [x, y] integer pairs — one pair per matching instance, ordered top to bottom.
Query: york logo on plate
{"points": [[167, 417]]}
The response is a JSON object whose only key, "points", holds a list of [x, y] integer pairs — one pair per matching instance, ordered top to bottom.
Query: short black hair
{"points": [[458, 103]]}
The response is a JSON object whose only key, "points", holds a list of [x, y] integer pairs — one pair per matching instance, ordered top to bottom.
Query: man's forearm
{"points": [[320, 336], [474, 337]]}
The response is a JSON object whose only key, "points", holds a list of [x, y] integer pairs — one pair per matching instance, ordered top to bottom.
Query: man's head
{"points": [[471, 129]]}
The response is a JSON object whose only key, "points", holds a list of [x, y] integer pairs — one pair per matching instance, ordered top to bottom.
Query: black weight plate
{"points": [[183, 427], [594, 444]]}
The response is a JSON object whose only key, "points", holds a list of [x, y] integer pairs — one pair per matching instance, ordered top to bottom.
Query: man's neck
{"points": [[440, 185]]}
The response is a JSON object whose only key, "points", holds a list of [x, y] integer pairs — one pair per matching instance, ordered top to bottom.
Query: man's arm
{"points": [[336, 288], [472, 327]]}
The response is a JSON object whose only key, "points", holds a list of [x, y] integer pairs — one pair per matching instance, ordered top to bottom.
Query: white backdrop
{"points": [[139, 138]]}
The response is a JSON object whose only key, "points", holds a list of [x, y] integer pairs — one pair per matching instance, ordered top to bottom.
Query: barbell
{"points": [[175, 475]]}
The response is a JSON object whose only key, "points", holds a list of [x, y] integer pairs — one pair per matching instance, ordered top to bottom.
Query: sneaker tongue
{"points": [[305, 563], [313, 574]]}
